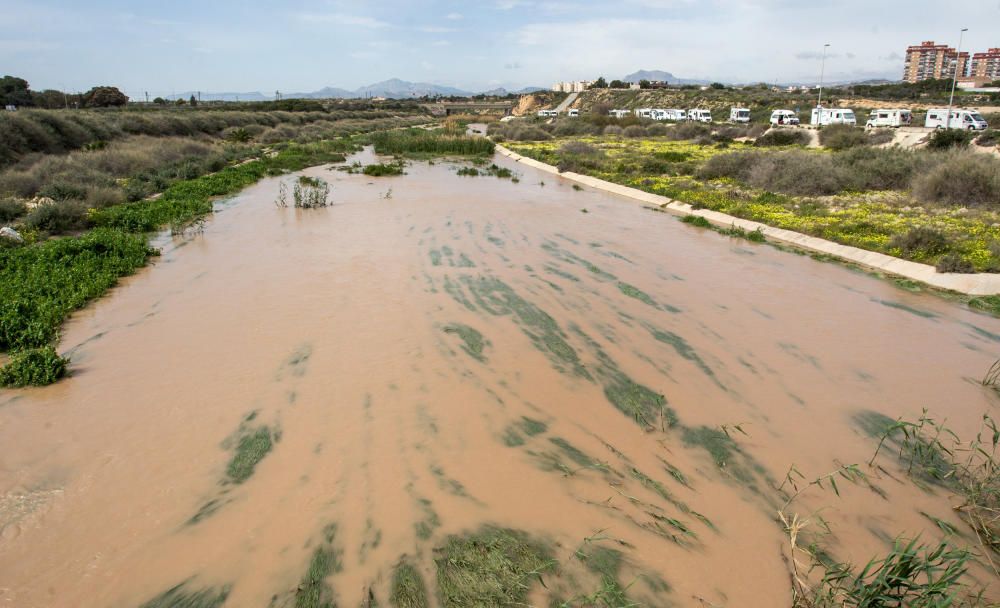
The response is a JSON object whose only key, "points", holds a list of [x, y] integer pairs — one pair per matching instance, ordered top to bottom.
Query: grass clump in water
{"points": [[383, 169], [696, 220], [634, 292], [473, 342], [33, 367], [633, 399], [251, 448], [573, 452], [494, 567], [408, 589], [313, 590], [182, 596]]}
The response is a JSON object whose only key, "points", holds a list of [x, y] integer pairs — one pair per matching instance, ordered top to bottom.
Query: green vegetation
{"points": [[422, 142], [383, 169], [494, 170], [859, 195], [696, 220], [634, 292], [472, 341], [33, 367], [633, 399], [251, 448], [492, 568], [408, 589], [313, 590], [182, 596]]}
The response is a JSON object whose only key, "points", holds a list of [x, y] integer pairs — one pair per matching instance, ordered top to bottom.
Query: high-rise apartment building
{"points": [[929, 60], [986, 66]]}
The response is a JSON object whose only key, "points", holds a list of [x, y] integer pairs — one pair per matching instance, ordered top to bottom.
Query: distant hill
{"points": [[661, 76], [394, 88]]}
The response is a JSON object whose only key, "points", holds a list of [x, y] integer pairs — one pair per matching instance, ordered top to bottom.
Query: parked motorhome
{"points": [[644, 112], [547, 113], [573, 113], [618, 113], [659, 114], [678, 114], [699, 115], [739, 115], [832, 116], [784, 117], [889, 118], [969, 120]]}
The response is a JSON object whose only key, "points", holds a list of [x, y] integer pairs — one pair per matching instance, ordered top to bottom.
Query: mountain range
{"points": [[661, 76], [394, 88]]}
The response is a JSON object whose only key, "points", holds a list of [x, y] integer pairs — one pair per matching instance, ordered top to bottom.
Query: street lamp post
{"points": [[822, 68], [954, 78]]}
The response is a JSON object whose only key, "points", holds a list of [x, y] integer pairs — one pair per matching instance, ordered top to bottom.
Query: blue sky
{"points": [[223, 45]]}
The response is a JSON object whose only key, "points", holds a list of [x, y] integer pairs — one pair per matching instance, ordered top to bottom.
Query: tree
{"points": [[600, 83], [618, 84], [645, 84], [717, 85], [14, 91], [104, 97], [50, 99], [160, 101], [180, 101], [193, 101]]}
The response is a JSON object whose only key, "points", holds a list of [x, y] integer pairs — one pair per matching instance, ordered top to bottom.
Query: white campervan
{"points": [[644, 112], [547, 113], [573, 113], [618, 113], [660, 114], [677, 114], [699, 115], [739, 115], [832, 116], [784, 117], [889, 118], [970, 120]]}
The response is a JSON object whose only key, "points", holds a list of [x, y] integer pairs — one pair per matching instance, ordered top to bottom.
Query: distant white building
{"points": [[577, 86]]}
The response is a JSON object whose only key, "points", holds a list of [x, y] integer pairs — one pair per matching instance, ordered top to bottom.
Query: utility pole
{"points": [[954, 79], [147, 96]]}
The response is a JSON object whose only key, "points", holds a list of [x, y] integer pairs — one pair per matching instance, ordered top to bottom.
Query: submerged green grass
{"points": [[473, 342], [251, 448], [490, 568], [408, 589], [313, 591], [182, 596]]}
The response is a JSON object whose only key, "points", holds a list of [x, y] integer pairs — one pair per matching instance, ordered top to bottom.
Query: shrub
{"points": [[613, 130], [656, 130], [688, 130], [635, 131], [783, 137], [842, 137], [990, 137], [943, 139], [579, 148], [736, 165], [883, 168], [382, 169], [799, 172], [961, 178], [11, 209], [58, 218], [696, 220], [921, 240], [954, 263], [33, 367]]}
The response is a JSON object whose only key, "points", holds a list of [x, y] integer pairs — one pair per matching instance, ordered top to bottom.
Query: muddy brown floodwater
{"points": [[435, 353]]}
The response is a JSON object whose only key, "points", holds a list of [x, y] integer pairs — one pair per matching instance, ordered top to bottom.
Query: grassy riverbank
{"points": [[938, 207]]}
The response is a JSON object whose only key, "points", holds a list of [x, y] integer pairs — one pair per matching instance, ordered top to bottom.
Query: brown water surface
{"points": [[345, 338]]}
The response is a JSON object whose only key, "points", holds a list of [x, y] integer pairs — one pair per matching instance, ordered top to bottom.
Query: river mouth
{"points": [[435, 353]]}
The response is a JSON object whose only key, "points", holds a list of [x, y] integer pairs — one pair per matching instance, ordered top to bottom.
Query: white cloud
{"points": [[454, 16], [342, 19]]}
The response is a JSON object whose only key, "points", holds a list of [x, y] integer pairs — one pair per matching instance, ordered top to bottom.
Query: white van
{"points": [[644, 112], [547, 113], [573, 113], [618, 113], [660, 114], [677, 114], [699, 115], [739, 115], [833, 116], [784, 117], [889, 118], [970, 120]]}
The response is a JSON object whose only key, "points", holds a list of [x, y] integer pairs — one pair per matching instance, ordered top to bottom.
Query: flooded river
{"points": [[435, 353]]}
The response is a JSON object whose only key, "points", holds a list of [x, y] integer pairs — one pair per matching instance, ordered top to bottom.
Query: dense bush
{"points": [[657, 130], [688, 130], [613, 131], [635, 131], [880, 136], [783, 137], [842, 137], [990, 137], [943, 139], [420, 141], [579, 148], [882, 168], [961, 178], [11, 209], [58, 217], [921, 241], [954, 263], [33, 367]]}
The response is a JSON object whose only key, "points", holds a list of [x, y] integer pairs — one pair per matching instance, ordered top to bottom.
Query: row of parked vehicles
{"points": [[937, 118]]}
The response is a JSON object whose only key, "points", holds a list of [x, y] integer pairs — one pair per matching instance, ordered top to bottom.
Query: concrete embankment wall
{"points": [[971, 284]]}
